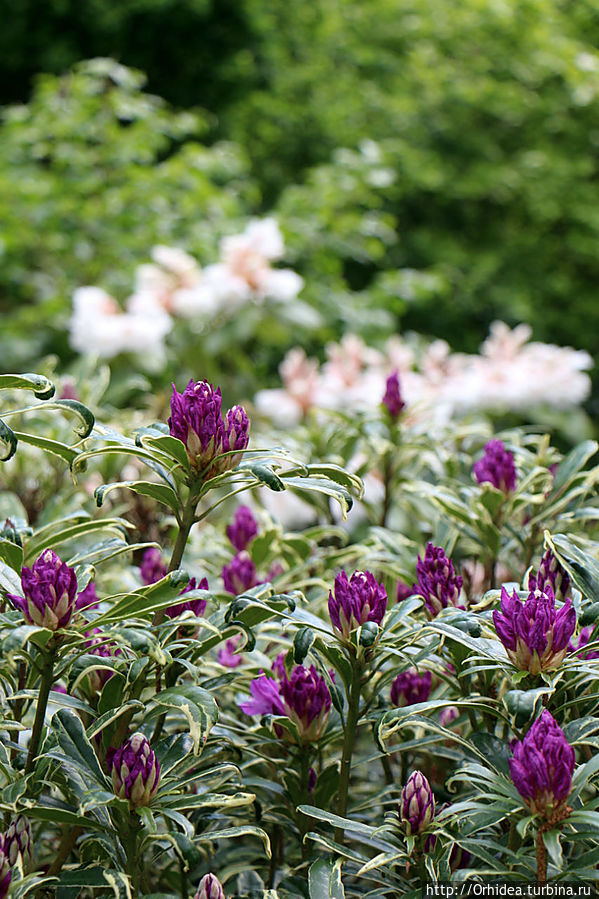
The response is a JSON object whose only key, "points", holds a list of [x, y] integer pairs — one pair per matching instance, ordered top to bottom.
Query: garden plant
{"points": [[199, 701]]}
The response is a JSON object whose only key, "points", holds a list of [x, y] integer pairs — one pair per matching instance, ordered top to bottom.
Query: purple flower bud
{"points": [[392, 398], [196, 420], [236, 437], [497, 467], [244, 528], [152, 568], [240, 574], [553, 574], [437, 581], [50, 592], [88, 598], [356, 601], [197, 606], [535, 633], [583, 639], [228, 655], [410, 687], [266, 698], [304, 698], [307, 700], [448, 715], [542, 767], [135, 771], [417, 804], [17, 841], [5, 868], [210, 888]]}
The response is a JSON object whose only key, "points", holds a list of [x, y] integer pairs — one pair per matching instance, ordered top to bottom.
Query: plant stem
{"points": [[387, 479], [187, 521], [47, 674], [349, 739], [70, 835], [541, 858], [134, 867]]}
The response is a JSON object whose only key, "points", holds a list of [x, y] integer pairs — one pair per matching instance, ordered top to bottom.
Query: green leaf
{"points": [[42, 387], [85, 417], [8, 442], [168, 445], [54, 447], [571, 465], [264, 473], [328, 488], [160, 492], [12, 554], [582, 568], [146, 599], [302, 643], [196, 704], [73, 741], [244, 830], [324, 880]]}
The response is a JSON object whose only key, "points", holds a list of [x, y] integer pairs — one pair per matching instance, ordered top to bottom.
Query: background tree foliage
{"points": [[437, 163]]}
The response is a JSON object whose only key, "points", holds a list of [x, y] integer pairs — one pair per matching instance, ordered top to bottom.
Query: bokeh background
{"points": [[432, 166]]}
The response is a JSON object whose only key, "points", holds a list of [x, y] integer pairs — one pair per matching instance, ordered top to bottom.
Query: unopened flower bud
{"points": [[392, 398], [496, 467], [243, 529], [437, 581], [50, 592], [356, 601], [535, 633], [410, 687], [542, 767], [135, 771], [417, 804], [17, 841], [210, 888]]}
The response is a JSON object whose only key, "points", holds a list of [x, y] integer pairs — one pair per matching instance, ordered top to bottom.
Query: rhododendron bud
{"points": [[392, 398], [196, 420], [236, 437], [496, 467], [243, 529], [152, 568], [240, 574], [553, 574], [437, 581], [50, 589], [356, 601], [197, 606], [535, 633], [410, 687], [303, 697], [266, 698], [307, 700], [542, 767], [135, 771], [417, 804], [17, 841], [5, 868], [210, 888]]}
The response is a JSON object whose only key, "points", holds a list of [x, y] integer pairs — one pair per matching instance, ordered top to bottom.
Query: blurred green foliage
{"points": [[429, 162]]}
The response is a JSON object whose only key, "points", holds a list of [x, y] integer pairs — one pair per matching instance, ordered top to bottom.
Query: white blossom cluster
{"points": [[174, 285], [510, 373]]}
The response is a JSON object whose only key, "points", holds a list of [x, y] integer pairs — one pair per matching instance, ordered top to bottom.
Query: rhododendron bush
{"points": [[230, 671]]}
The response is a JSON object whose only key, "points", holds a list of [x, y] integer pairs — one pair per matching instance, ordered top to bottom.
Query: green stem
{"points": [[387, 480], [185, 526], [47, 674], [349, 739], [303, 821], [130, 844]]}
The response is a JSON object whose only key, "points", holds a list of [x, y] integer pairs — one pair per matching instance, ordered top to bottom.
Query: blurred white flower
{"points": [[99, 327]]}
